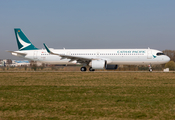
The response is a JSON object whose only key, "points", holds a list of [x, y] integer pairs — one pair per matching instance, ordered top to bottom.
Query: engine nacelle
{"points": [[98, 64], [102, 64], [111, 67]]}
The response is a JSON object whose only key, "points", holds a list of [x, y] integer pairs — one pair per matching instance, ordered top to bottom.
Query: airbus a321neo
{"points": [[92, 58]]}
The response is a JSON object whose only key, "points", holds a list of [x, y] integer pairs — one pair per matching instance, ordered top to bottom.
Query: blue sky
{"points": [[88, 24]]}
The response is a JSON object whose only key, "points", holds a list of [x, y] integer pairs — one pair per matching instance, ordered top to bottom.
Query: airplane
{"points": [[108, 59]]}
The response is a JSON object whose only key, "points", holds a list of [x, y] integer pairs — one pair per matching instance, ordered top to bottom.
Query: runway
{"points": [[91, 72]]}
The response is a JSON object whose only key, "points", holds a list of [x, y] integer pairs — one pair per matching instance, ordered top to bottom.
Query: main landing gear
{"points": [[150, 68], [83, 69], [90, 69]]}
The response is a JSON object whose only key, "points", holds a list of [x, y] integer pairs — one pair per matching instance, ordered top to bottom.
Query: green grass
{"points": [[86, 95]]}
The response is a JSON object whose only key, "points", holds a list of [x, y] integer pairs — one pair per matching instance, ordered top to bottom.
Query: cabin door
{"points": [[35, 54], [149, 54]]}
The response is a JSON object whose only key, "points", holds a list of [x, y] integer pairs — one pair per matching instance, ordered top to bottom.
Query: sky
{"points": [[88, 24]]}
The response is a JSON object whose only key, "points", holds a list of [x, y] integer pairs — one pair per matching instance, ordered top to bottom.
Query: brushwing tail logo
{"points": [[22, 42], [154, 56]]}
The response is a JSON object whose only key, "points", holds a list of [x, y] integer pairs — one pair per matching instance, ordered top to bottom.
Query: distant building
{"points": [[2, 63], [15, 63], [20, 63]]}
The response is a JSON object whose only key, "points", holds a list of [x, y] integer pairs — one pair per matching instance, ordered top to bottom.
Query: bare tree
{"points": [[170, 53], [9, 61]]}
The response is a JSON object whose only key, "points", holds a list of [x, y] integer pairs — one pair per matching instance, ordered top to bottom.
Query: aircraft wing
{"points": [[17, 53], [72, 58]]}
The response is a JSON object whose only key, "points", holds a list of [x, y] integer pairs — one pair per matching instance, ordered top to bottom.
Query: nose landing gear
{"points": [[150, 68]]}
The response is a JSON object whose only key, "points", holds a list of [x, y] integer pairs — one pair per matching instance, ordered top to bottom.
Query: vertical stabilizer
{"points": [[22, 41]]}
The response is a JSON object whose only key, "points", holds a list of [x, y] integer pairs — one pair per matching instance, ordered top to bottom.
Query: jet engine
{"points": [[98, 64], [102, 64]]}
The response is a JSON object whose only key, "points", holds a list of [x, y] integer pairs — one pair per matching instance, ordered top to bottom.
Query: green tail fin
{"points": [[22, 41]]}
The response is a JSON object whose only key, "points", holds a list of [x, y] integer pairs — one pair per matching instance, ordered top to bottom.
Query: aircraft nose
{"points": [[167, 59]]}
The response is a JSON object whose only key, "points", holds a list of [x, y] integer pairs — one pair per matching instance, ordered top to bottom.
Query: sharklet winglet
{"points": [[47, 48]]}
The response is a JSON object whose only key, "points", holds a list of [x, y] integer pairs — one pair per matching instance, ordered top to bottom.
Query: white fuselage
{"points": [[112, 56]]}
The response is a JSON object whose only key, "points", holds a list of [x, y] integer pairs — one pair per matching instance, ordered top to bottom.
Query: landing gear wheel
{"points": [[83, 68], [150, 68], [90, 69]]}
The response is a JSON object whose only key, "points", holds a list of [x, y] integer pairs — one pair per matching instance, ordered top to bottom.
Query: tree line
{"points": [[170, 53], [171, 63]]}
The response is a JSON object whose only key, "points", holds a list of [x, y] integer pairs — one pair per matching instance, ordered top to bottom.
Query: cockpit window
{"points": [[158, 54]]}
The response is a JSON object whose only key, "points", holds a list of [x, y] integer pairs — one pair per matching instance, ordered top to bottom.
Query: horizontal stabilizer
{"points": [[17, 53]]}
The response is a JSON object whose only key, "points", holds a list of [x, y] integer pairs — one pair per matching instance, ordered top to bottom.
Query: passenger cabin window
{"points": [[158, 54]]}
